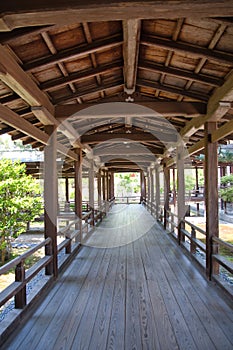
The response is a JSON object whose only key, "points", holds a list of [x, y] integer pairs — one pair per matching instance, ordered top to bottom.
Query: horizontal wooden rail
{"points": [[127, 199], [221, 260], [11, 264], [17, 289]]}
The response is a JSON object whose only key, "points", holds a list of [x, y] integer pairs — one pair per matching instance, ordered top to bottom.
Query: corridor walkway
{"points": [[130, 287]]}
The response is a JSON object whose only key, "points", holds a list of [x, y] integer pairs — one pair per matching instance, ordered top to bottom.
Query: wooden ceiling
{"points": [[149, 72]]}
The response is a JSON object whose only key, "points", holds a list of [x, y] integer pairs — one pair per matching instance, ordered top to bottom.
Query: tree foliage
{"points": [[226, 192], [20, 202]]}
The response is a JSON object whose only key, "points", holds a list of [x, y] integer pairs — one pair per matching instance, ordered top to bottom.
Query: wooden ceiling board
{"points": [[161, 27], [99, 30], [196, 35], [67, 39], [225, 43], [32, 50], [153, 54], [107, 56], [183, 61], [78, 64], [211, 68], [50, 73], [148, 75], [169, 80]]}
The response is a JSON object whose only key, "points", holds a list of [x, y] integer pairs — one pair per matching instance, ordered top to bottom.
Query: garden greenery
{"points": [[20, 202]]}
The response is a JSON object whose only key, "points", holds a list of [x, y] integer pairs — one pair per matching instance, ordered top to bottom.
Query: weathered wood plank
{"points": [[40, 13], [145, 294]]}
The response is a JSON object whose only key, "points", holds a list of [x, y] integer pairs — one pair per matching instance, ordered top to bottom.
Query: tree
{"points": [[226, 192], [20, 202]]}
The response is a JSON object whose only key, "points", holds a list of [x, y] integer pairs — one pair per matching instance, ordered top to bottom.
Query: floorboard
{"points": [[130, 287]]}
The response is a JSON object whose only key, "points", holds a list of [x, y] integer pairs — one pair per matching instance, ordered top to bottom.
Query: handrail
{"points": [[179, 233], [223, 243], [5, 268], [17, 289]]}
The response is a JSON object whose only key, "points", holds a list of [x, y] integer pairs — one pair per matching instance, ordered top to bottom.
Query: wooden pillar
{"points": [[91, 175], [197, 181], [104, 185], [174, 186], [143, 187], [149, 188], [67, 189], [78, 189], [99, 189], [152, 189], [180, 190], [157, 192], [166, 193], [112, 194], [51, 197], [211, 197]]}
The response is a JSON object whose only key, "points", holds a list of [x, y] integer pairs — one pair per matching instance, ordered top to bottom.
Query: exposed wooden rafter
{"points": [[194, 50], [73, 53], [180, 73], [79, 76], [177, 91]]}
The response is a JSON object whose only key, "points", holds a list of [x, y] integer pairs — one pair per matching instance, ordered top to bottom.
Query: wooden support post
{"points": [[197, 182], [104, 185], [174, 186], [143, 188], [152, 188], [67, 189], [78, 189], [99, 189], [149, 189], [91, 191], [104, 191], [180, 191], [157, 192], [112, 194], [166, 194], [51, 197], [211, 198]]}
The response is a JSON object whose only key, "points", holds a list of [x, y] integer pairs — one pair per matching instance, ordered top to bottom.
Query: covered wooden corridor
{"points": [[142, 295]]}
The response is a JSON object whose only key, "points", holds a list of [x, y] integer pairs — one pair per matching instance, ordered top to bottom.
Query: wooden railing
{"points": [[127, 200], [74, 233], [193, 239], [17, 289]]}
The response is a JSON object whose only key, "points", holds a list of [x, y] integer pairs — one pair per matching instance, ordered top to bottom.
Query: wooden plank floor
{"points": [[142, 295]]}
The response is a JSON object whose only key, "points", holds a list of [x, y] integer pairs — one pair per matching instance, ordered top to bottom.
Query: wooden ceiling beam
{"points": [[37, 13], [20, 34], [131, 36], [183, 48], [74, 53], [180, 73], [81, 75], [13, 76], [171, 89], [89, 91], [219, 104], [161, 108], [12, 119], [223, 131], [127, 137], [120, 151]]}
